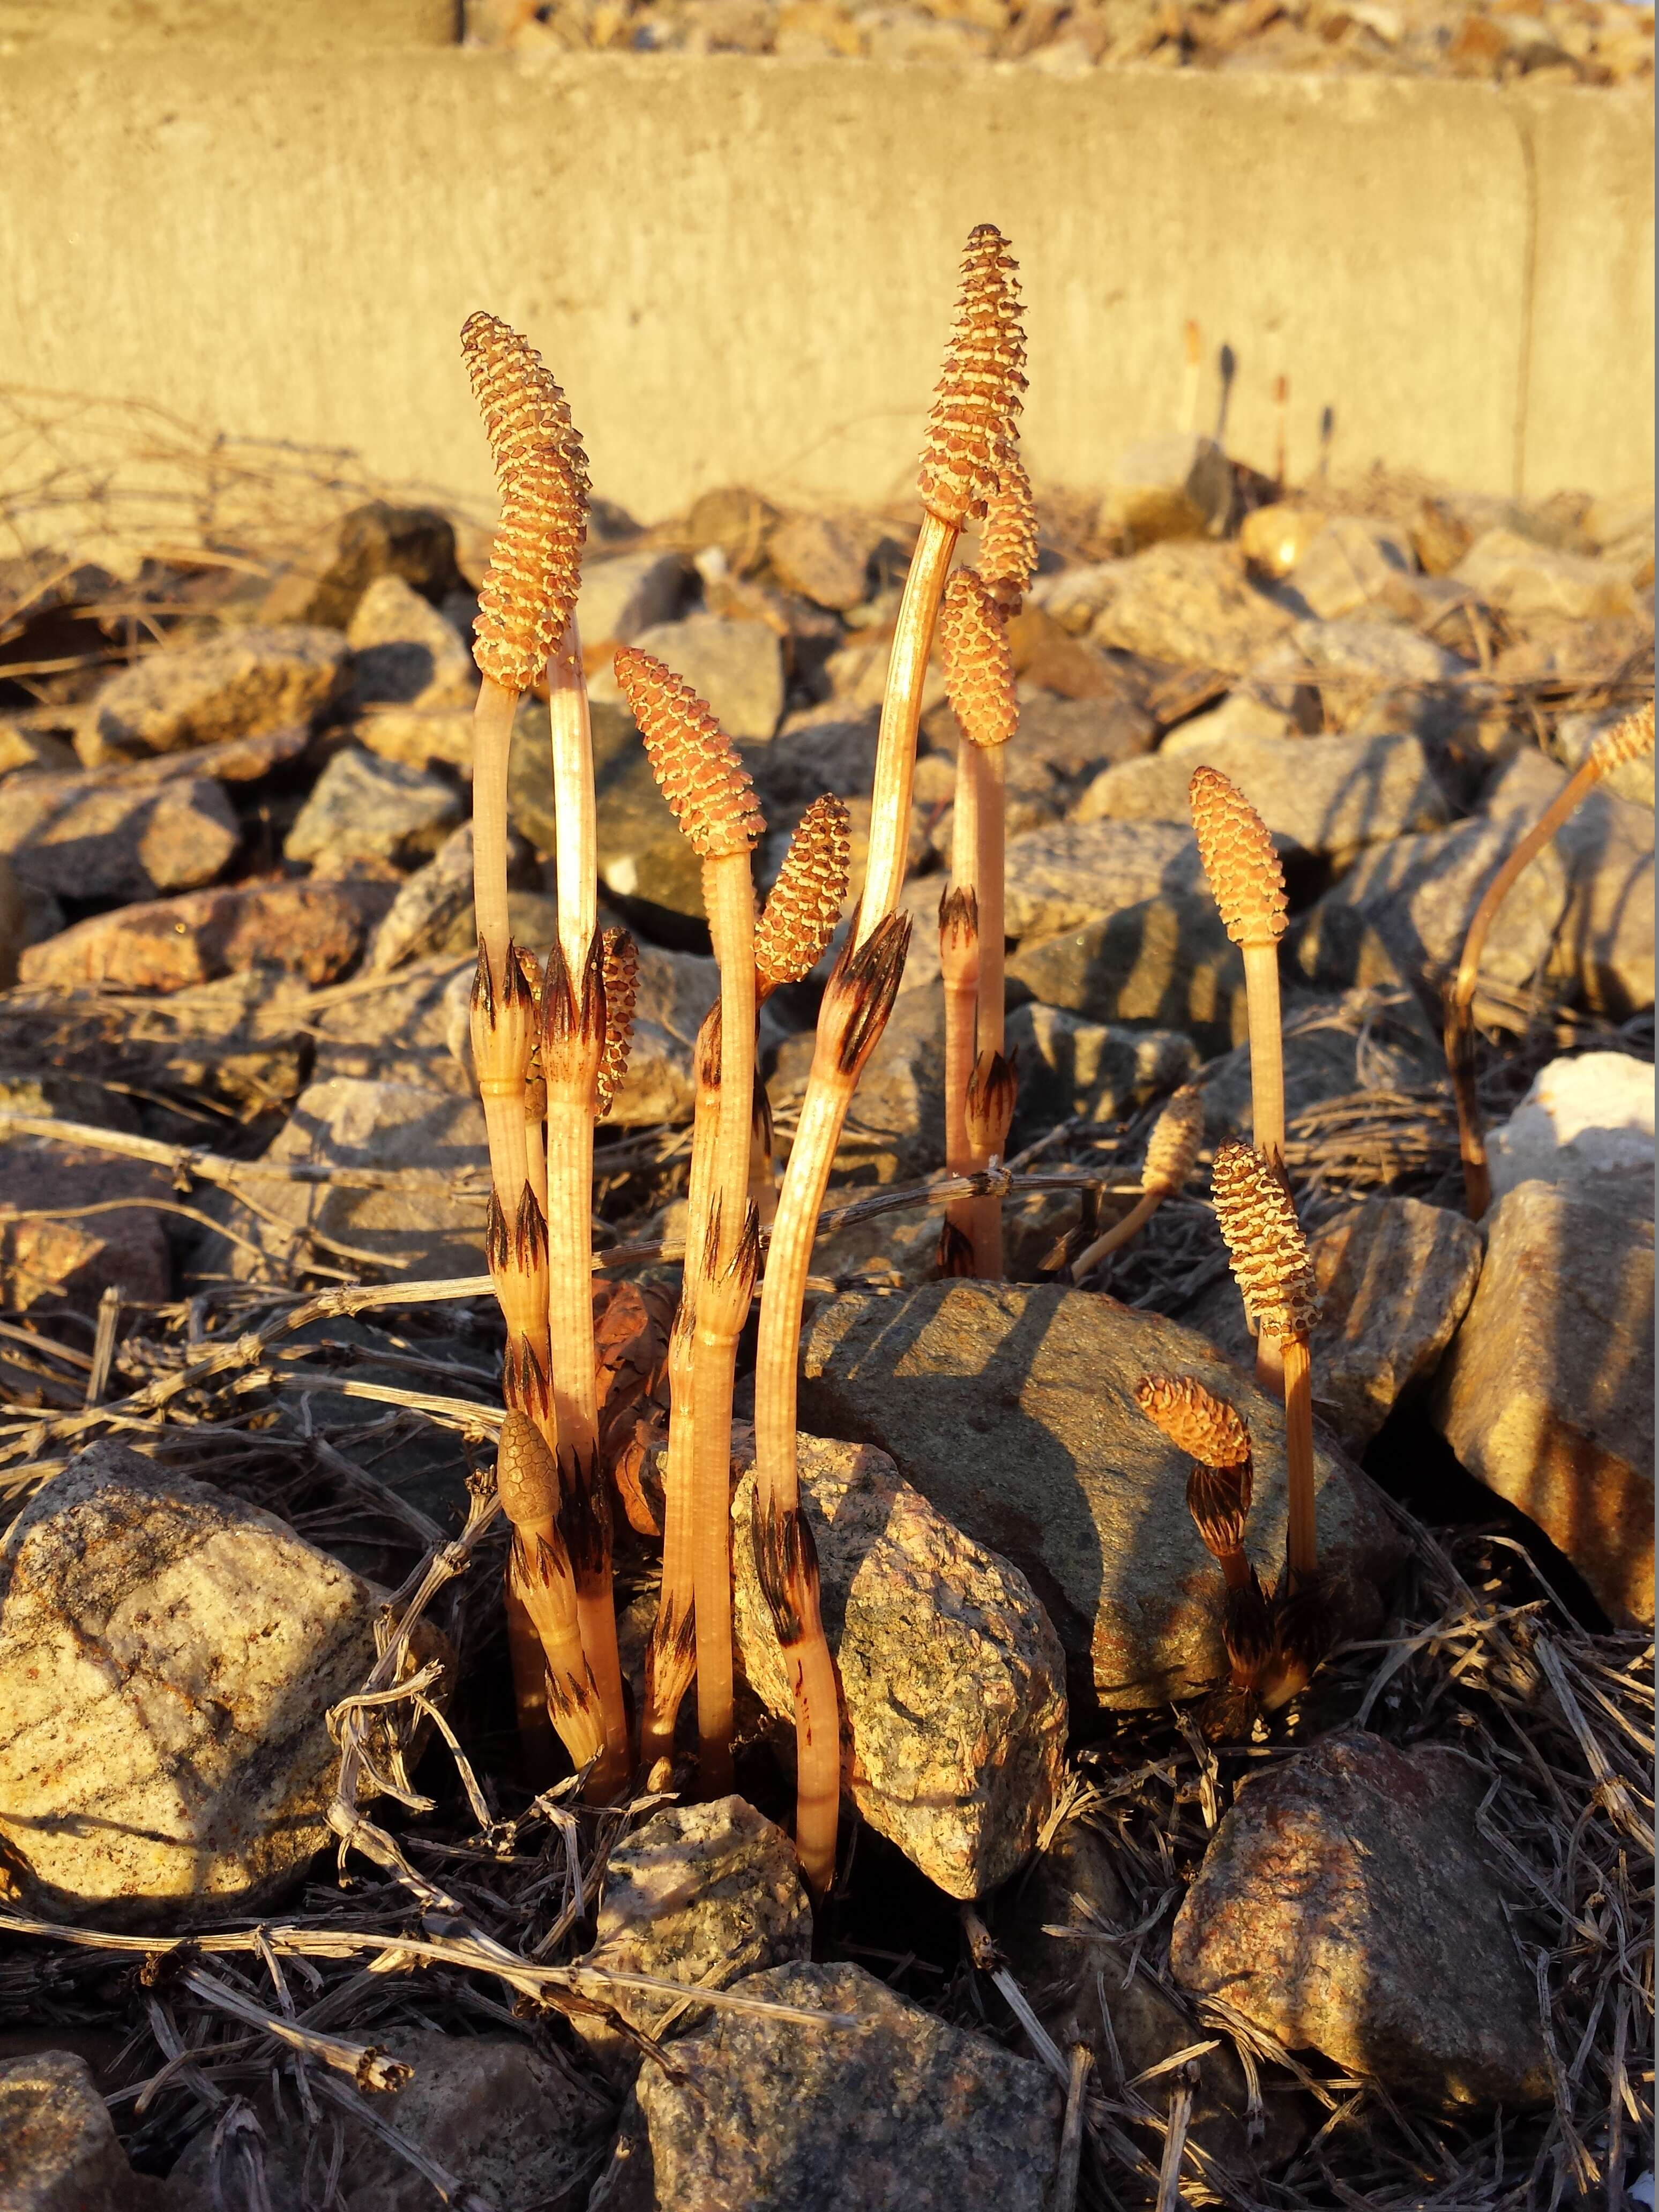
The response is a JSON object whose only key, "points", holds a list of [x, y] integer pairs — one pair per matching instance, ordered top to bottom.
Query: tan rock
{"points": [[1192, 603], [404, 650], [243, 681], [83, 837], [314, 930], [43, 1261], [1546, 1394], [952, 1679], [59, 2152]]}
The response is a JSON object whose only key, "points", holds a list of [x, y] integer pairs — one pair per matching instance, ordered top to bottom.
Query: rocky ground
{"points": [[1568, 42], [1393, 1953]]}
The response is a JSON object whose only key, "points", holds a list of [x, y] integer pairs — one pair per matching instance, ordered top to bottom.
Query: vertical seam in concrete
{"points": [[1522, 119]]}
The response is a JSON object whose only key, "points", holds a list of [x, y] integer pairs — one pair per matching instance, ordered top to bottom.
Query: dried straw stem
{"points": [[901, 718], [1632, 737], [492, 741], [575, 819], [1248, 883], [856, 1004], [1267, 1046], [1171, 1150]]}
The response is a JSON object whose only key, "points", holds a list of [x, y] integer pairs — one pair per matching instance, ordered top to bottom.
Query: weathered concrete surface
{"points": [[286, 248]]}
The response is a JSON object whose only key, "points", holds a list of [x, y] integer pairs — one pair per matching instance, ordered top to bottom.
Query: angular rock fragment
{"points": [[1180, 485], [824, 557], [1524, 578], [324, 583], [627, 594], [1188, 603], [403, 650], [737, 666], [234, 685], [361, 806], [85, 838], [1061, 877], [313, 930], [1165, 960], [1068, 1066], [1582, 1118], [44, 1261], [1546, 1394], [1012, 1410], [168, 1655], [953, 1680], [702, 1895], [1345, 1906], [899, 2113], [59, 2152]]}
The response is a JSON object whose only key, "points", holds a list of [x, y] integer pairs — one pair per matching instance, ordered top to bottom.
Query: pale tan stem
{"points": [[901, 718], [492, 741], [993, 775], [575, 823], [729, 899], [958, 946], [1460, 999], [1266, 1048], [824, 1111], [535, 1137], [763, 1167], [1120, 1233], [1270, 1365], [1304, 1544], [550, 1602], [670, 1656], [536, 1736]]}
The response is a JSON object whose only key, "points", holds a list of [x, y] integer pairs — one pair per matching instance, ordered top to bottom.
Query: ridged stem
{"points": [[901, 718], [492, 741], [575, 819], [958, 954], [1458, 1032], [1266, 1048], [986, 1213], [1120, 1233], [722, 1308], [1303, 1549], [671, 1659], [529, 1663]]}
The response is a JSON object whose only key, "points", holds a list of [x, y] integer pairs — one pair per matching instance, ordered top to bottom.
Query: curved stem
{"points": [[901, 717], [959, 950], [1460, 999], [1120, 1233], [669, 1659]]}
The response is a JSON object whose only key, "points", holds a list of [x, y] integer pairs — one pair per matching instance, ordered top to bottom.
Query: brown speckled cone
{"points": [[971, 425], [541, 470], [1008, 543], [979, 668], [1627, 741], [692, 758], [1245, 878], [805, 904], [621, 958], [1173, 1145], [1264, 1243], [1194, 1420], [527, 1478]]}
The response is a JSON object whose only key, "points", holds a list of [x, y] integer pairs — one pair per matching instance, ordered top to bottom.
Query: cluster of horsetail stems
{"points": [[1627, 741], [1246, 882], [1172, 1150]]}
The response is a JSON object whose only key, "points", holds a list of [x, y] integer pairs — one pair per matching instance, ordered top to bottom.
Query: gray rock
{"points": [[1180, 485], [824, 557], [1352, 564], [1522, 578], [324, 583], [628, 593], [1189, 603], [404, 651], [1347, 663], [736, 666], [232, 685], [1240, 715], [1574, 735], [1073, 736], [826, 748], [229, 759], [1319, 796], [361, 806], [81, 837], [1061, 877], [1405, 908], [433, 910], [312, 929], [1604, 949], [1165, 960], [1365, 1039], [1069, 1065], [1583, 1116], [349, 1122], [897, 1128], [44, 1260], [1546, 1394], [1011, 1409], [168, 1655], [952, 1679], [702, 1895], [1345, 1906], [1084, 1990], [900, 2114], [500, 2119], [59, 2152]]}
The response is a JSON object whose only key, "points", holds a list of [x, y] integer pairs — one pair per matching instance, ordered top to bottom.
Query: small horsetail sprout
{"points": [[969, 431], [1008, 541], [979, 677], [1627, 741], [713, 799], [1248, 884], [804, 906], [621, 958], [857, 1001], [1170, 1151], [1268, 1253], [542, 1589], [671, 1657]]}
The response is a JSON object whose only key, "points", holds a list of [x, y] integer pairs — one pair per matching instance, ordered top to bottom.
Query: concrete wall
{"points": [[744, 269]]}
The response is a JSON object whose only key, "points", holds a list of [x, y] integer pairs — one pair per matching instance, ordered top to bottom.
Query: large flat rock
{"points": [[1011, 1408]]}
